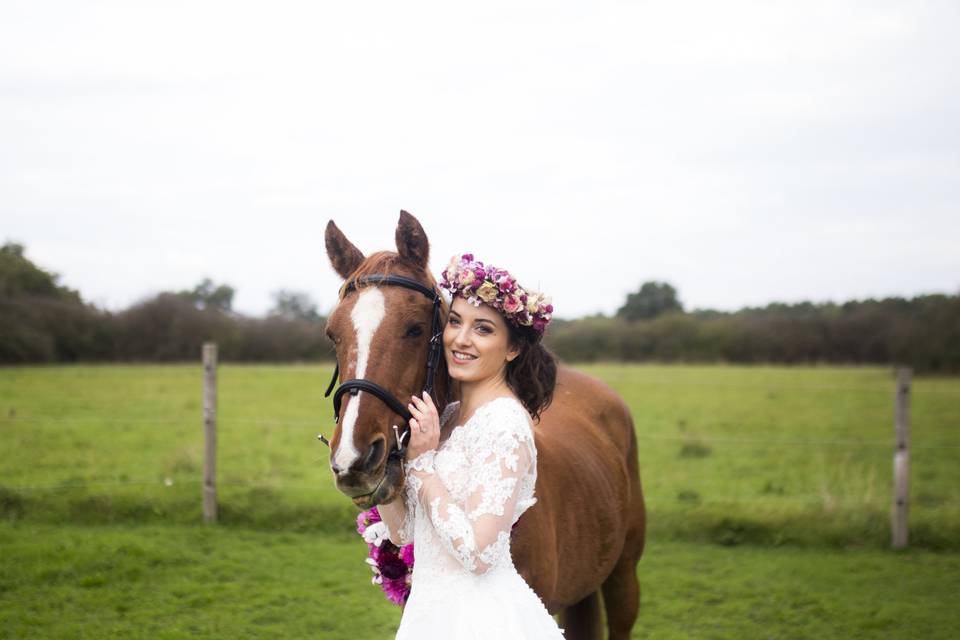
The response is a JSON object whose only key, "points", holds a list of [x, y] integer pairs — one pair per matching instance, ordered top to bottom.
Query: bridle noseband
{"points": [[356, 385]]}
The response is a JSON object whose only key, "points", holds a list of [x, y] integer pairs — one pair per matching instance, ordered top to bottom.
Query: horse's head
{"points": [[381, 334]]}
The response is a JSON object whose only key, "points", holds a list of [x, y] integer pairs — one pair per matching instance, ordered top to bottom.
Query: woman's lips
{"points": [[458, 360]]}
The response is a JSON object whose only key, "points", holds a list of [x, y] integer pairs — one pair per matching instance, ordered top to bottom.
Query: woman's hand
{"points": [[424, 426]]}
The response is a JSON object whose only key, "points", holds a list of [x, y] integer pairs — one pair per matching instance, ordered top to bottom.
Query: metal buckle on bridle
{"points": [[356, 385]]}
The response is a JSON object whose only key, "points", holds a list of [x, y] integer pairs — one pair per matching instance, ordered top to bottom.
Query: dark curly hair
{"points": [[532, 375]]}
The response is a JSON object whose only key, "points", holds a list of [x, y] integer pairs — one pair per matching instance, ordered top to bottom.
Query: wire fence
{"points": [[319, 424], [721, 446], [734, 447]]}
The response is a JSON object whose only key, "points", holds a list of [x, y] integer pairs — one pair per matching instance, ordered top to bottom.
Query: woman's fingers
{"points": [[428, 400], [425, 404], [419, 408], [421, 411], [424, 426]]}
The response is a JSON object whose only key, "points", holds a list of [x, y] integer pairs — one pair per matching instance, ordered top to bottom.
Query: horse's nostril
{"points": [[373, 456], [336, 468]]}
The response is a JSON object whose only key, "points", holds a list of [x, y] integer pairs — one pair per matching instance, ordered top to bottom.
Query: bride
{"points": [[471, 472]]}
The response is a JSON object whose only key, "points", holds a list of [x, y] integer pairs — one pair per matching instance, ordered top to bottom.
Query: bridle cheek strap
{"points": [[356, 385]]}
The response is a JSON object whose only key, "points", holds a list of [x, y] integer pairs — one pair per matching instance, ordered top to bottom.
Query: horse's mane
{"points": [[387, 262]]}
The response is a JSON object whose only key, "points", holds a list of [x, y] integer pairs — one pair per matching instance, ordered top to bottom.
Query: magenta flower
{"points": [[367, 518], [392, 566], [397, 591]]}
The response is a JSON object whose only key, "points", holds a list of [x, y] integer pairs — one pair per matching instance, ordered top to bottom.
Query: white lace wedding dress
{"points": [[462, 500]]}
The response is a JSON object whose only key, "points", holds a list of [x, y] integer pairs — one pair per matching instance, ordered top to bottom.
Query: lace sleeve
{"points": [[402, 515], [398, 517], [405, 530], [476, 531]]}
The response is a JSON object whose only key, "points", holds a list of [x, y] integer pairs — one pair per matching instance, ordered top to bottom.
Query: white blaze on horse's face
{"points": [[367, 314]]}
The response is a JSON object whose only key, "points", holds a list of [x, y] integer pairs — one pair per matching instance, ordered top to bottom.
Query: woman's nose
{"points": [[462, 338]]}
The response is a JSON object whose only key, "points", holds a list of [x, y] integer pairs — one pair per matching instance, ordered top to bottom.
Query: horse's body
{"points": [[587, 528], [586, 531]]}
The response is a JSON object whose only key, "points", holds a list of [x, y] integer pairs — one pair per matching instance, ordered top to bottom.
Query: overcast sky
{"points": [[745, 152]]}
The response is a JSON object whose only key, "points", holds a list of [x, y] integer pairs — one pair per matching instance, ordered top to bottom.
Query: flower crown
{"points": [[476, 282]]}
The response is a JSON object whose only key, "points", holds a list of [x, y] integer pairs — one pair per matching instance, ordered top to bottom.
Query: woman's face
{"points": [[476, 342]]}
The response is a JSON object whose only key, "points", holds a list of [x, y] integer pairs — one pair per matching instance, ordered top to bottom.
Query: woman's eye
{"points": [[483, 329]]}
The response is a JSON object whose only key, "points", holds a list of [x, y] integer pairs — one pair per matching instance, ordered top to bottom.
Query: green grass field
{"points": [[768, 489]]}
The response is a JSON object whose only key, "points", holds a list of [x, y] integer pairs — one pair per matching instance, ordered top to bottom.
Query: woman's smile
{"points": [[460, 357]]}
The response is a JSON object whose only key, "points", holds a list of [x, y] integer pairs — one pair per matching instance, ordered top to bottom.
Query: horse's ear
{"points": [[412, 242], [344, 257]]}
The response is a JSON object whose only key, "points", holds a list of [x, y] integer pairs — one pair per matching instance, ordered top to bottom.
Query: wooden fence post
{"points": [[210, 432], [901, 459]]}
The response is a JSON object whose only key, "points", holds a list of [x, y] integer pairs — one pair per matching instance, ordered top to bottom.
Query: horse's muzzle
{"points": [[386, 489]]}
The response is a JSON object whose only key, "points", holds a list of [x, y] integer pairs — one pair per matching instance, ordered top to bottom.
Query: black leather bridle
{"points": [[356, 385]]}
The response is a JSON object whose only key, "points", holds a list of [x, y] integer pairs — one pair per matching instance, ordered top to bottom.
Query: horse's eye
{"points": [[415, 331]]}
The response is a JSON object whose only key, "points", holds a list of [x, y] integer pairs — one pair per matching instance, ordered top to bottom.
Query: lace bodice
{"points": [[463, 498], [461, 502]]}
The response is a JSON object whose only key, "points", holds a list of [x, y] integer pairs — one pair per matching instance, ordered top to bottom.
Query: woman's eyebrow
{"points": [[484, 320]]}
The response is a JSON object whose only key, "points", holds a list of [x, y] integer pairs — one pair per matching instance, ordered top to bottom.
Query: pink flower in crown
{"points": [[467, 276], [511, 303], [539, 324]]}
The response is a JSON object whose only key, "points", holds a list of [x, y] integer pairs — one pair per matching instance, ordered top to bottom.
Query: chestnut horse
{"points": [[586, 531]]}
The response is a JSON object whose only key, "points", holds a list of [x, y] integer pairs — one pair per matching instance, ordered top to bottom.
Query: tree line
{"points": [[43, 321]]}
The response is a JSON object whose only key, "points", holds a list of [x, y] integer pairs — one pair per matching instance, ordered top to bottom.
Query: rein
{"points": [[355, 385]]}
